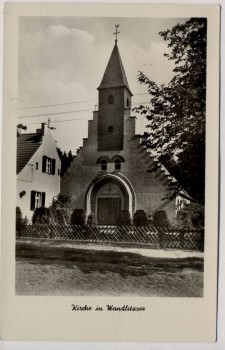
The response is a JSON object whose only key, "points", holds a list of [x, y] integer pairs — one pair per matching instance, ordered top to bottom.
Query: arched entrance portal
{"points": [[106, 197]]}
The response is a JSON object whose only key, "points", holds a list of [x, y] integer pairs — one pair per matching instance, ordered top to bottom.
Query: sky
{"points": [[62, 61]]}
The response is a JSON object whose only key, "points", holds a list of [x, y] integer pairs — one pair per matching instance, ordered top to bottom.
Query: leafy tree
{"points": [[19, 128], [176, 132], [66, 160], [61, 209], [41, 216], [191, 216], [20, 221]]}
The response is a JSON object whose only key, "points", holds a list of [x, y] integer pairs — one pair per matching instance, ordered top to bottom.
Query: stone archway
{"points": [[107, 196]]}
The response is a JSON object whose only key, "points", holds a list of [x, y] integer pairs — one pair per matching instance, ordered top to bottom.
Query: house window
{"points": [[111, 100], [110, 129], [117, 164], [36, 165], [48, 165], [103, 165], [37, 200]]}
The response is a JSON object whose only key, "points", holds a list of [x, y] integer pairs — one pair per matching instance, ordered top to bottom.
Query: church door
{"points": [[108, 210]]}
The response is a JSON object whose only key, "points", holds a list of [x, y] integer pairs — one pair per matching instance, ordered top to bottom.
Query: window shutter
{"points": [[44, 159], [53, 166], [43, 199], [32, 200]]}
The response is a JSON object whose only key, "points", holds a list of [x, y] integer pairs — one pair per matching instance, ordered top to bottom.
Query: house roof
{"points": [[114, 75], [27, 145]]}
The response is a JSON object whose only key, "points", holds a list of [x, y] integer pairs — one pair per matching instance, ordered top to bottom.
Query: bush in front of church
{"points": [[41, 216], [78, 217], [124, 218], [140, 218], [160, 219], [91, 220]]}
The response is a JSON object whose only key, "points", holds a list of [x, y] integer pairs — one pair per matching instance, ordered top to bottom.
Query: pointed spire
{"points": [[114, 75]]}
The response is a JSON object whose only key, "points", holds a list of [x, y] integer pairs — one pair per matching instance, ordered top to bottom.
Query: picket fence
{"points": [[144, 235]]}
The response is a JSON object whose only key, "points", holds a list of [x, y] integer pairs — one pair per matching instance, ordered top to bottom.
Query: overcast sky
{"points": [[62, 61]]}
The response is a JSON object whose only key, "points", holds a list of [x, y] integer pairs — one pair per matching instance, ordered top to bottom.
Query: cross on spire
{"points": [[116, 31]]}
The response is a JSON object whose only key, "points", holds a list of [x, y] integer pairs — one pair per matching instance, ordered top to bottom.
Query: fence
{"points": [[145, 235]]}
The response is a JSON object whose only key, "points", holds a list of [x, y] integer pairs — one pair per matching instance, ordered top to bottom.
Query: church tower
{"points": [[114, 100]]}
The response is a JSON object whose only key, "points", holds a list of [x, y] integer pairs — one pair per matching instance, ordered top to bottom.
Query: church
{"points": [[111, 170]]}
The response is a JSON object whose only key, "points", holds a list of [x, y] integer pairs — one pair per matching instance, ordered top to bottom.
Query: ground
{"points": [[60, 268]]}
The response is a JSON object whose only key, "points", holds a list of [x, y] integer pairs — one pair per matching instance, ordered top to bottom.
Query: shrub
{"points": [[61, 209], [41, 216], [191, 216], [78, 217], [124, 218], [140, 218], [160, 219], [91, 220], [20, 221]]}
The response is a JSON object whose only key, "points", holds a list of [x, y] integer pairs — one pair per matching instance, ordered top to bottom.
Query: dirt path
{"points": [[62, 270]]}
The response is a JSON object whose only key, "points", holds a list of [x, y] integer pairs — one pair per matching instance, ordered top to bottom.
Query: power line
{"points": [[67, 103], [57, 104], [66, 112], [54, 113], [60, 121]]}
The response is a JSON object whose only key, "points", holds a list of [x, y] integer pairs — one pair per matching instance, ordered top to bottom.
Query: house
{"points": [[111, 169], [38, 170]]}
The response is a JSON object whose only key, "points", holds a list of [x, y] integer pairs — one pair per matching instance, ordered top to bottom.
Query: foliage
{"points": [[19, 128], [176, 132], [66, 160], [61, 209], [41, 216], [191, 216], [78, 217], [124, 218], [140, 218], [160, 219], [91, 220], [20, 221]]}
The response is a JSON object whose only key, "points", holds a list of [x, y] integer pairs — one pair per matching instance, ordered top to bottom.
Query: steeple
{"points": [[114, 75]]}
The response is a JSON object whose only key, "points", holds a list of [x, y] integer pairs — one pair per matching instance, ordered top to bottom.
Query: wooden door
{"points": [[108, 210]]}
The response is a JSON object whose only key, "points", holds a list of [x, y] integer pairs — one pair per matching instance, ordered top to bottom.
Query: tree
{"points": [[19, 128], [176, 132], [66, 160], [61, 209], [191, 216], [20, 221]]}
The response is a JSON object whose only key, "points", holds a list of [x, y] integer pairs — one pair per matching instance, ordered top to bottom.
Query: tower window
{"points": [[111, 100], [128, 103], [110, 129], [117, 164], [103, 165]]}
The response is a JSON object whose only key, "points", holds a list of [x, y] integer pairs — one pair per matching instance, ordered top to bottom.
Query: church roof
{"points": [[114, 75], [27, 145]]}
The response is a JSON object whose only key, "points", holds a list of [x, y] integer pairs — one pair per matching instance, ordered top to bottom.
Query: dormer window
{"points": [[111, 100], [103, 165]]}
